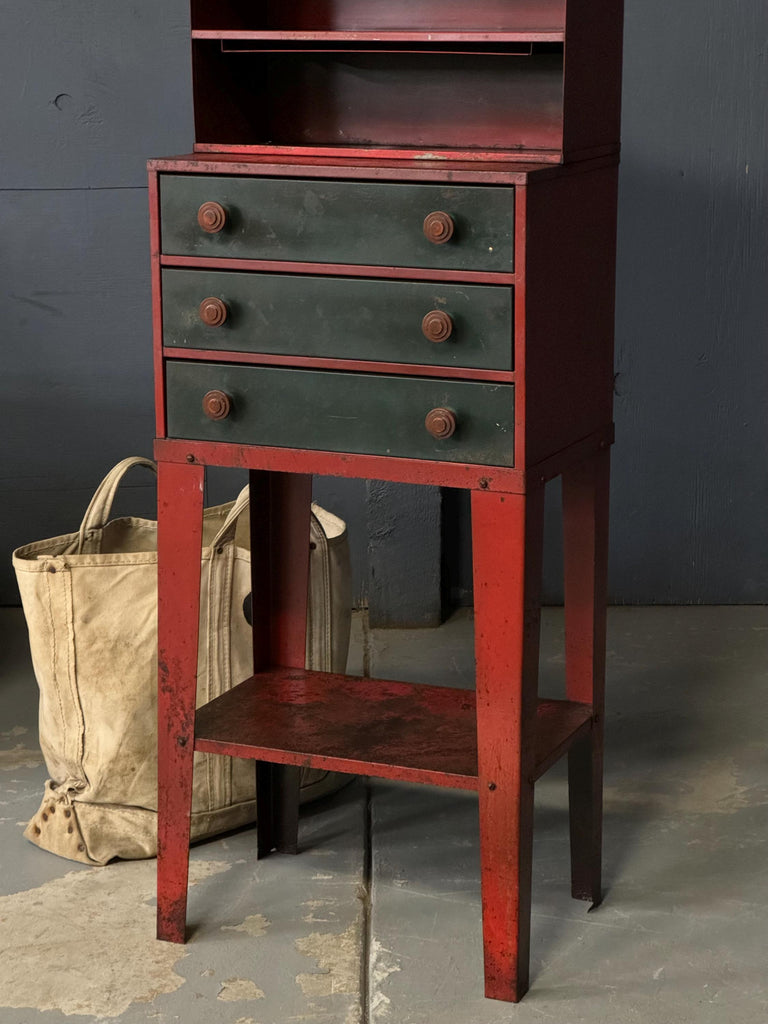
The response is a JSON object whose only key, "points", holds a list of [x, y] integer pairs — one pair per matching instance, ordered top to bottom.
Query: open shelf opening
{"points": [[380, 15], [400, 45], [370, 97]]}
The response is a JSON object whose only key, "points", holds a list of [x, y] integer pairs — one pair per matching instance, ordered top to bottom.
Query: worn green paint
{"points": [[374, 223], [340, 318], [346, 412]]}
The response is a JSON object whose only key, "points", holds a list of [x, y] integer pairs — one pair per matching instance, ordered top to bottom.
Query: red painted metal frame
{"points": [[354, 15], [549, 36], [535, 156], [366, 166], [564, 234], [339, 269], [358, 365], [370, 467], [376, 467], [507, 532], [179, 542]]}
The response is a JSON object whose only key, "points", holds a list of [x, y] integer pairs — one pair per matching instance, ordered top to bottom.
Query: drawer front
{"points": [[376, 224], [339, 318], [343, 412]]}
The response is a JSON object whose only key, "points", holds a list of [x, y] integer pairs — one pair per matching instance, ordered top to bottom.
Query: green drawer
{"points": [[317, 221], [340, 318], [343, 412]]}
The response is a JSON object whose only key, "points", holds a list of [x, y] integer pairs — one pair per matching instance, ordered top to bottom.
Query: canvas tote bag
{"points": [[90, 601]]}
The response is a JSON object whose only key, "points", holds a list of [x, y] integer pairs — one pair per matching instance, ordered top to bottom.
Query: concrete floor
{"points": [[378, 918]]}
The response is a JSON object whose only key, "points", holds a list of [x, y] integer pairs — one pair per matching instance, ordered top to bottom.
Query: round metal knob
{"points": [[212, 217], [439, 227], [213, 312], [437, 325], [217, 405], [441, 423]]}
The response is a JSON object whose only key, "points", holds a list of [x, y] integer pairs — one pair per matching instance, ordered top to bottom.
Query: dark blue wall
{"points": [[94, 87]]}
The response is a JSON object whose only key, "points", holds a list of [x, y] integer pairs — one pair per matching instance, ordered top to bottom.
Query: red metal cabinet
{"points": [[444, 146]]}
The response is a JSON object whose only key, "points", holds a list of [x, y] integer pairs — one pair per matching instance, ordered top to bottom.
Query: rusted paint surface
{"points": [[373, 467], [179, 544], [507, 551], [388, 729], [396, 730]]}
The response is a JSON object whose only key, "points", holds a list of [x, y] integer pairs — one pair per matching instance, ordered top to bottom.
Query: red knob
{"points": [[212, 217], [439, 227], [213, 312], [437, 325], [217, 405], [441, 423]]}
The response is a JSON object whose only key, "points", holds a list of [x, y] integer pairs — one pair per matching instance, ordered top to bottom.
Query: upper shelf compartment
{"points": [[519, 17], [536, 80], [403, 101]]}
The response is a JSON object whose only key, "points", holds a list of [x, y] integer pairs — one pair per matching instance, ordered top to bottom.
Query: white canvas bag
{"points": [[90, 601]]}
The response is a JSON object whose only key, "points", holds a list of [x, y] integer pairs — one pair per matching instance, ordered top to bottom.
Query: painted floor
{"points": [[378, 918]]}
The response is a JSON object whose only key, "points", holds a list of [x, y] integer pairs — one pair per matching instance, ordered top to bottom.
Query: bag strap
{"points": [[239, 506], [98, 511], [229, 525]]}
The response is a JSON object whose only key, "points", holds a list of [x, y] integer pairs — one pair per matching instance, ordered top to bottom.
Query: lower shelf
{"points": [[392, 730]]}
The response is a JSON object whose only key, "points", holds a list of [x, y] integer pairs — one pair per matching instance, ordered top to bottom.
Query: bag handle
{"points": [[238, 507], [98, 511], [229, 525]]}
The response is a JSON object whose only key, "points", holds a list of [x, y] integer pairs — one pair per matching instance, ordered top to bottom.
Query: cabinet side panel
{"points": [[592, 80], [570, 262]]}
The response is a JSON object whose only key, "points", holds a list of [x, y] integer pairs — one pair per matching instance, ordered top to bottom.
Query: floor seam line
{"points": [[365, 972]]}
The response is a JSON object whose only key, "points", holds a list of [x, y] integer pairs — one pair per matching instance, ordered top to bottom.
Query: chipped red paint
{"points": [[179, 543], [507, 550], [392, 730]]}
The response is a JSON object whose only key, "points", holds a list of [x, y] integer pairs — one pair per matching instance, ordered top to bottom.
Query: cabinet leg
{"points": [[280, 516], [585, 528], [179, 539], [507, 546], [277, 808]]}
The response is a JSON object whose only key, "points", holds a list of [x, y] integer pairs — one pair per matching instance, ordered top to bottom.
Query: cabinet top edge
{"points": [[496, 172]]}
